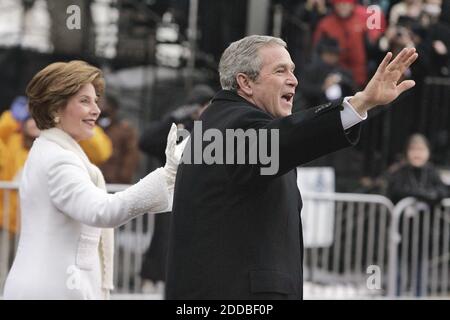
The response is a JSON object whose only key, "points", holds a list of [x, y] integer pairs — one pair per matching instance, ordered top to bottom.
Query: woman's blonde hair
{"points": [[51, 88]]}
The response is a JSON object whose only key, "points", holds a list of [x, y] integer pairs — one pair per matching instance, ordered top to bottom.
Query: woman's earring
{"points": [[56, 119]]}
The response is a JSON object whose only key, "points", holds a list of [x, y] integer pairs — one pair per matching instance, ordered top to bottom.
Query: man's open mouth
{"points": [[288, 97]]}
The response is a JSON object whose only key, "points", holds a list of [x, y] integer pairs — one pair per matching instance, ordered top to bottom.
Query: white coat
{"points": [[62, 213]]}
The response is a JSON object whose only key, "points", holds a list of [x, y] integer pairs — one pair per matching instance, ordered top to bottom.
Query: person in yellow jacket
{"points": [[11, 119], [8, 126], [16, 141], [98, 148], [14, 154], [2, 156], [13, 159]]}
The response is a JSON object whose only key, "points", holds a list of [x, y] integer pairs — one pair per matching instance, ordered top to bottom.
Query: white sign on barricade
{"points": [[317, 216]]}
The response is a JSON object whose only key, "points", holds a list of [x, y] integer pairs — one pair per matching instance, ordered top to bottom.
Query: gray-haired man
{"points": [[236, 233]]}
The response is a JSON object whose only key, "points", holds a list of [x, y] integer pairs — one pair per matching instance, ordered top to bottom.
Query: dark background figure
{"points": [[299, 21], [221, 22], [407, 33], [439, 39], [324, 79], [389, 128], [151, 142], [122, 165], [418, 178]]}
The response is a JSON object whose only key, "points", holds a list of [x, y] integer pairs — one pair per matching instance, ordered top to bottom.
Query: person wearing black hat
{"points": [[325, 79]]}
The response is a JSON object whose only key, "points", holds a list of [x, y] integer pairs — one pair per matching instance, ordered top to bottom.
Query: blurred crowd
{"points": [[364, 32], [336, 46]]}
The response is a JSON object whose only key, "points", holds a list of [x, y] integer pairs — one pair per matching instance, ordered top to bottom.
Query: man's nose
{"points": [[292, 80]]}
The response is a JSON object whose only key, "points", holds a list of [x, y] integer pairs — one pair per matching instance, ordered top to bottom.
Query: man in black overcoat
{"points": [[236, 231]]}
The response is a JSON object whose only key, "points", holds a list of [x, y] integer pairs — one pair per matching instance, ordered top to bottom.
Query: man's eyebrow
{"points": [[285, 65]]}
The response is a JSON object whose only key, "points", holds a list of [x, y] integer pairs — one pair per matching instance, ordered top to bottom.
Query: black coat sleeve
{"points": [[303, 137]]}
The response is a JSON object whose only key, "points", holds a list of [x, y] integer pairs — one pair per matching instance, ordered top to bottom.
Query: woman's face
{"points": [[80, 114], [418, 154]]}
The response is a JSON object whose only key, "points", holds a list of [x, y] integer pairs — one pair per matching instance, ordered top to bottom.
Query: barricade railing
{"points": [[8, 238], [131, 241], [356, 246], [420, 254], [353, 262]]}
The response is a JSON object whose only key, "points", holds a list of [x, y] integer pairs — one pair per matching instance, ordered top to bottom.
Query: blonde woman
{"points": [[65, 249]]}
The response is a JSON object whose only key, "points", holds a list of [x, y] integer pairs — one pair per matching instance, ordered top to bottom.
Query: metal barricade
{"points": [[8, 237], [131, 241], [371, 249], [379, 250], [420, 253], [354, 264]]}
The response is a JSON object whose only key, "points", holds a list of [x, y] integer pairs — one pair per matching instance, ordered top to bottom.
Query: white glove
{"points": [[173, 155], [150, 194]]}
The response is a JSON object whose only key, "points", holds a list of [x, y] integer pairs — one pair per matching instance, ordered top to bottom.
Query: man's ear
{"points": [[244, 83]]}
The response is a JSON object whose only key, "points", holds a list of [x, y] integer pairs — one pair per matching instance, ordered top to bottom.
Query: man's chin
{"points": [[281, 111], [286, 113]]}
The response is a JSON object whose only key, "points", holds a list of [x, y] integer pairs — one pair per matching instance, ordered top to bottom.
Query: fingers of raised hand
{"points": [[408, 57], [402, 59], [397, 60], [410, 60], [385, 62], [406, 85]]}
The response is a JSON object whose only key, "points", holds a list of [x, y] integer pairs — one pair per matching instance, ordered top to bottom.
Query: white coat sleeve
{"points": [[75, 195]]}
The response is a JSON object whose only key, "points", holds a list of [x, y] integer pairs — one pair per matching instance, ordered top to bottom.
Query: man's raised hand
{"points": [[384, 87]]}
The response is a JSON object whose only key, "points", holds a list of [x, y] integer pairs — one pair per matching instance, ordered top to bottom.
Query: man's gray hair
{"points": [[242, 57]]}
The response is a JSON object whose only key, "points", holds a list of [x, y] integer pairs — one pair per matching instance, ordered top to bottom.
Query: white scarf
{"points": [[106, 247]]}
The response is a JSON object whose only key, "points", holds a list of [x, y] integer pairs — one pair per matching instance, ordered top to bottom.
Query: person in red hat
{"points": [[349, 23]]}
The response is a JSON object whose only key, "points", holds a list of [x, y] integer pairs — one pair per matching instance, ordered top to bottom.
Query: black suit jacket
{"points": [[236, 234]]}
